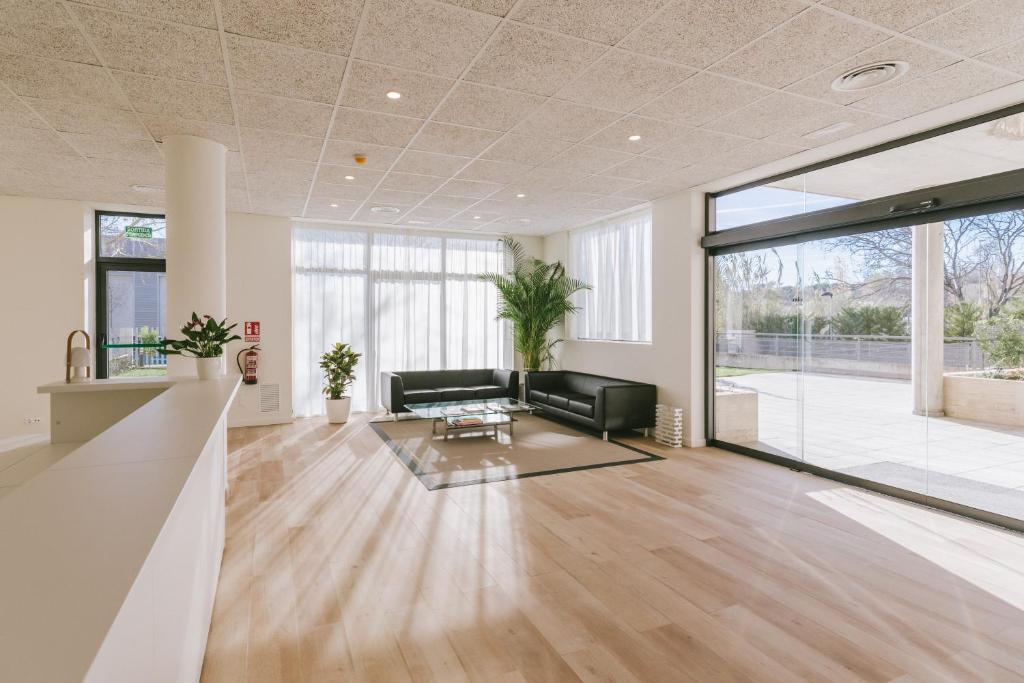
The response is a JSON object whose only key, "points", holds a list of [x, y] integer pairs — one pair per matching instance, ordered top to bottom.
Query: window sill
{"points": [[611, 341]]}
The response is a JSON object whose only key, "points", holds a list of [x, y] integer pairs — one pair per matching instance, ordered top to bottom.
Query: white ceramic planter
{"points": [[210, 368], [338, 409]]}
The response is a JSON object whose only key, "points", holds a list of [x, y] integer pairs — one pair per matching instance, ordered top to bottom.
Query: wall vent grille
{"points": [[270, 398]]}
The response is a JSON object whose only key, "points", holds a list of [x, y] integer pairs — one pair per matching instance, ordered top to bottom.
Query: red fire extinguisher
{"points": [[250, 369]]}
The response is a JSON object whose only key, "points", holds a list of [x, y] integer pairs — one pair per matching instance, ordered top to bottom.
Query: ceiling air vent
{"points": [[869, 76], [270, 398]]}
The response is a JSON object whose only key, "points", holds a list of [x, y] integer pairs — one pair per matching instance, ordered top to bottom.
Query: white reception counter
{"points": [[109, 557]]}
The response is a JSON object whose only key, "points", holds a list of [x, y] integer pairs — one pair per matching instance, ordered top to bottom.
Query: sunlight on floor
{"points": [[960, 546]]}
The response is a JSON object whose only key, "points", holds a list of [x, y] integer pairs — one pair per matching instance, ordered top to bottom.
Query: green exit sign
{"points": [[138, 232]]}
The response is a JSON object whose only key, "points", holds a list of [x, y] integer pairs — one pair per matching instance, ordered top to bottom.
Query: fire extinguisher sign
{"points": [[252, 330]]}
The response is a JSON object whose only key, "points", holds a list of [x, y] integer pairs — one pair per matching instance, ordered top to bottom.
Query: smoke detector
{"points": [[869, 76], [360, 159]]}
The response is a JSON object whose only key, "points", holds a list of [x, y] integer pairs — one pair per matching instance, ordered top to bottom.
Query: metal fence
{"points": [[959, 353]]}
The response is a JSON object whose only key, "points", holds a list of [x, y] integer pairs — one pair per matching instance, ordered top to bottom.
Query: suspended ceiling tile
{"points": [[498, 8], [192, 12], [899, 15], [603, 21], [322, 25], [976, 27], [43, 28], [698, 33], [423, 35], [810, 42], [157, 48], [523, 58], [275, 69], [53, 79], [624, 81], [953, 83], [368, 84], [153, 95], [702, 99], [482, 106], [283, 114], [72, 117], [566, 121], [161, 126], [374, 127], [652, 133], [445, 138], [269, 143], [98, 147], [524, 149], [343, 152], [581, 160], [428, 163], [643, 168], [493, 171], [339, 175], [412, 182], [460, 187], [397, 197]]}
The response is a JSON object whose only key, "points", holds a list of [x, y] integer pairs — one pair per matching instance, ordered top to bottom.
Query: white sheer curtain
{"points": [[614, 257], [405, 301]]}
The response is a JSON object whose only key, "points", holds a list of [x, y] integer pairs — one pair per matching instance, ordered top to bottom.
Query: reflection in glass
{"points": [[136, 309]]}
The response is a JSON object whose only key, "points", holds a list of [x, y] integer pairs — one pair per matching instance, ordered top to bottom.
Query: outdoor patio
{"points": [[866, 427]]}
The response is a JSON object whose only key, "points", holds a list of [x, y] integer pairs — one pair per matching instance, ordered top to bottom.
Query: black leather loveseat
{"points": [[429, 386], [602, 403]]}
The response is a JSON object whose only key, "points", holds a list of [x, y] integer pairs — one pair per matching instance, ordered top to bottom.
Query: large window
{"points": [[614, 258], [131, 294], [405, 301], [881, 339]]}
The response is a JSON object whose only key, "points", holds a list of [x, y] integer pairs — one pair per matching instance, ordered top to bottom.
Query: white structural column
{"points": [[196, 241], [928, 310]]}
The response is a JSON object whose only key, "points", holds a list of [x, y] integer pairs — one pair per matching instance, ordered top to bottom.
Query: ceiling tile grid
{"points": [[523, 115]]}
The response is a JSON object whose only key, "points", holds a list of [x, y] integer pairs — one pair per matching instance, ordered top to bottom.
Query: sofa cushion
{"points": [[489, 391], [456, 393], [422, 396], [538, 396], [558, 399], [582, 406]]}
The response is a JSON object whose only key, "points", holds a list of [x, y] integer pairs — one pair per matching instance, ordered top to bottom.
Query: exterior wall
{"points": [[674, 360]]}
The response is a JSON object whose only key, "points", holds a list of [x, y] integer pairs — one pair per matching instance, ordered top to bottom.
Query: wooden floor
{"points": [[708, 566]]}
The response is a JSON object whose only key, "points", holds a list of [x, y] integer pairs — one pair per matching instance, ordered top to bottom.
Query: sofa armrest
{"points": [[509, 380], [392, 392], [625, 406]]}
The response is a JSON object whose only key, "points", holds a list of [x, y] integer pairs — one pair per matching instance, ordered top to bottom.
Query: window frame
{"points": [[105, 264]]}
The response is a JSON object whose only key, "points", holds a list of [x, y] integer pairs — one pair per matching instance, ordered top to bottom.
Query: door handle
{"points": [[920, 206]]}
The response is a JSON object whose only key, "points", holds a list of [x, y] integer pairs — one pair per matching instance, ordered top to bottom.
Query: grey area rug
{"points": [[539, 447], [975, 494]]}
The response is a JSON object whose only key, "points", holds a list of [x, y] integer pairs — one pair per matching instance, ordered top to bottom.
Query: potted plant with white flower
{"points": [[205, 339], [339, 366]]}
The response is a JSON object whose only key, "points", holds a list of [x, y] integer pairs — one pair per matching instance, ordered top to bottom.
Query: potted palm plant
{"points": [[534, 296], [205, 339], [339, 366]]}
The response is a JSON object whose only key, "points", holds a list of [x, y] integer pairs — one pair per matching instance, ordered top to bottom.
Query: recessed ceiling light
{"points": [[869, 76], [394, 95], [633, 138], [350, 177], [147, 188], [520, 195], [334, 206], [384, 209], [476, 218], [418, 222]]}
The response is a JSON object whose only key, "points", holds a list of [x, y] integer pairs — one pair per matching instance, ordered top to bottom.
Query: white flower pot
{"points": [[210, 368], [338, 409]]}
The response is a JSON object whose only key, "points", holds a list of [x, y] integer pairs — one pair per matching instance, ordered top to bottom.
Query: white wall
{"points": [[259, 267], [46, 290], [674, 360]]}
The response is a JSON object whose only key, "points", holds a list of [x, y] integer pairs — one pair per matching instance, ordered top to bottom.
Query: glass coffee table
{"points": [[482, 415]]}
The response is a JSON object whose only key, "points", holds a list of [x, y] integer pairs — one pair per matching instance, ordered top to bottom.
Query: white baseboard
{"points": [[261, 421]]}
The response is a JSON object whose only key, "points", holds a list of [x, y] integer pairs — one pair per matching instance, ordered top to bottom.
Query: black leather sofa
{"points": [[430, 386], [605, 404]]}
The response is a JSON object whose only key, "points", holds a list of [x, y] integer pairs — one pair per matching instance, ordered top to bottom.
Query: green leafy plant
{"points": [[535, 296], [961, 318], [876, 321], [1002, 336], [204, 338], [339, 365]]}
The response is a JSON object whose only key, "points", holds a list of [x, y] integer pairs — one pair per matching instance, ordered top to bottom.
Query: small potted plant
{"points": [[204, 340], [338, 365]]}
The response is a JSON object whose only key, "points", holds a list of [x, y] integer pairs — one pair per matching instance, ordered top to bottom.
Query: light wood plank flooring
{"points": [[706, 567]]}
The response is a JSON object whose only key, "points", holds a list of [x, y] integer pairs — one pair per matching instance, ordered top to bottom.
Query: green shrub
{"points": [[960, 319], [875, 321], [1002, 336]]}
